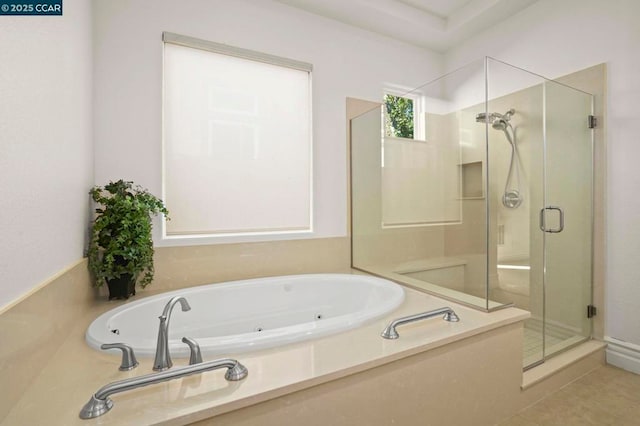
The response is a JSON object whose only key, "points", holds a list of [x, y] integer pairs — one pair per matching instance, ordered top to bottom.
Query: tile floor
{"points": [[556, 339], [533, 345], [606, 396]]}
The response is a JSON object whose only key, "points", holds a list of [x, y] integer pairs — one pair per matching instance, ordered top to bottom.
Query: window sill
{"points": [[393, 138], [248, 237]]}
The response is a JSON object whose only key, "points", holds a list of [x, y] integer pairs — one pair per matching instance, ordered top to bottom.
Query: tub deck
{"points": [[76, 371]]}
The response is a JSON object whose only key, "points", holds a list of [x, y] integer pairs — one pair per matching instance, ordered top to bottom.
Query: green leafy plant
{"points": [[121, 241]]}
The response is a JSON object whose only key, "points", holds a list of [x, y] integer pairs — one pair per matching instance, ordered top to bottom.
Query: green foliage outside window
{"points": [[398, 117]]}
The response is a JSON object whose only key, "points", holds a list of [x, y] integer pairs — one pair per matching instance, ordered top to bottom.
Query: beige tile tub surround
{"points": [[179, 267], [33, 329], [75, 371], [470, 382], [464, 383]]}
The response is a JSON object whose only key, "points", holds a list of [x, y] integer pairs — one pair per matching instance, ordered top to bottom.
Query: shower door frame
{"points": [[547, 233]]}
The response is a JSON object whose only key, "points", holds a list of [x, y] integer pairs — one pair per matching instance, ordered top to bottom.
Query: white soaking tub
{"points": [[241, 316]]}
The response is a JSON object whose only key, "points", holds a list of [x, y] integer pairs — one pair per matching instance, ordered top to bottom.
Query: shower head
{"points": [[484, 117], [497, 120], [499, 124], [511, 197]]}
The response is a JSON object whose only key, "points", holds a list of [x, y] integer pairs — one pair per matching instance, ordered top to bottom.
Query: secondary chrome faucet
{"points": [[163, 357]]}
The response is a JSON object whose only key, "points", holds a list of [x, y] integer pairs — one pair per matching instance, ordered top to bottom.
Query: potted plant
{"points": [[121, 246]]}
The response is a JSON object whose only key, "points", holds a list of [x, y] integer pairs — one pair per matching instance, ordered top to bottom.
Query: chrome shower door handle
{"points": [[543, 226]]}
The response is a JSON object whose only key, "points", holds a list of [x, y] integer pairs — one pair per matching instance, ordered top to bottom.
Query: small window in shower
{"points": [[402, 116]]}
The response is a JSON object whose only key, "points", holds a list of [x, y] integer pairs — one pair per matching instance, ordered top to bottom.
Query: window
{"points": [[399, 116], [402, 116], [237, 140]]}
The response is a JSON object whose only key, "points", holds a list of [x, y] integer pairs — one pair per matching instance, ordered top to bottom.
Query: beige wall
{"points": [[420, 179], [518, 227], [371, 243], [178, 267]]}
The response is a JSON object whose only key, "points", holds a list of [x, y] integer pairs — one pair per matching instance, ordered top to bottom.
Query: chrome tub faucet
{"points": [[163, 357]]}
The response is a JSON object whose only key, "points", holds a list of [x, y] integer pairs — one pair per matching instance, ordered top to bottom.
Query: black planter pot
{"points": [[122, 287]]}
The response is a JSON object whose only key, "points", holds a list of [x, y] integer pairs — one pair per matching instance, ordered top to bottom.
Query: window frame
{"points": [[419, 125], [248, 235]]}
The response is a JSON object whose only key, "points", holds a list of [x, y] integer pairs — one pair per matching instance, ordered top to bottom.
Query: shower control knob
{"points": [[511, 199]]}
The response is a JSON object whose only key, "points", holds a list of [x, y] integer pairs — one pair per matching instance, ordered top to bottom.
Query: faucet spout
{"points": [[169, 306], [163, 356]]}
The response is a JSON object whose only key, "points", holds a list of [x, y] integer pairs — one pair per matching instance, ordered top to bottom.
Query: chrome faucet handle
{"points": [[196, 355], [129, 361]]}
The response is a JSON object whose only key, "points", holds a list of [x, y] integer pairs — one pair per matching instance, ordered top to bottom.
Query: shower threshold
{"points": [[557, 339]]}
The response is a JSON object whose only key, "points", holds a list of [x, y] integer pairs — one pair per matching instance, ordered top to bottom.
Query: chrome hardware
{"points": [[511, 198], [543, 226], [390, 331], [196, 356], [163, 357], [129, 361], [100, 403]]}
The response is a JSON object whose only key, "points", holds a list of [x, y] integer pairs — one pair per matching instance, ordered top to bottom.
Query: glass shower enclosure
{"points": [[490, 204]]}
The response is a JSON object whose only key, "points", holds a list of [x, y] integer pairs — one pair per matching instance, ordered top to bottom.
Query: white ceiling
{"points": [[434, 24]]}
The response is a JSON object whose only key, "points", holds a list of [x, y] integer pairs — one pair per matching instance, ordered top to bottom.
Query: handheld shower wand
{"points": [[511, 198]]}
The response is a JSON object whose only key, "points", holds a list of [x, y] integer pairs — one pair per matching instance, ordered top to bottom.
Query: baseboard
{"points": [[623, 354]]}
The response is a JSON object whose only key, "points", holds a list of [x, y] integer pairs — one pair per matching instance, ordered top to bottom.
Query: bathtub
{"points": [[242, 316]]}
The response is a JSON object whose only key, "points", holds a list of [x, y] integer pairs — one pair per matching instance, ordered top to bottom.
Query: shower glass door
{"points": [[540, 179], [516, 194], [490, 205], [566, 218]]}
